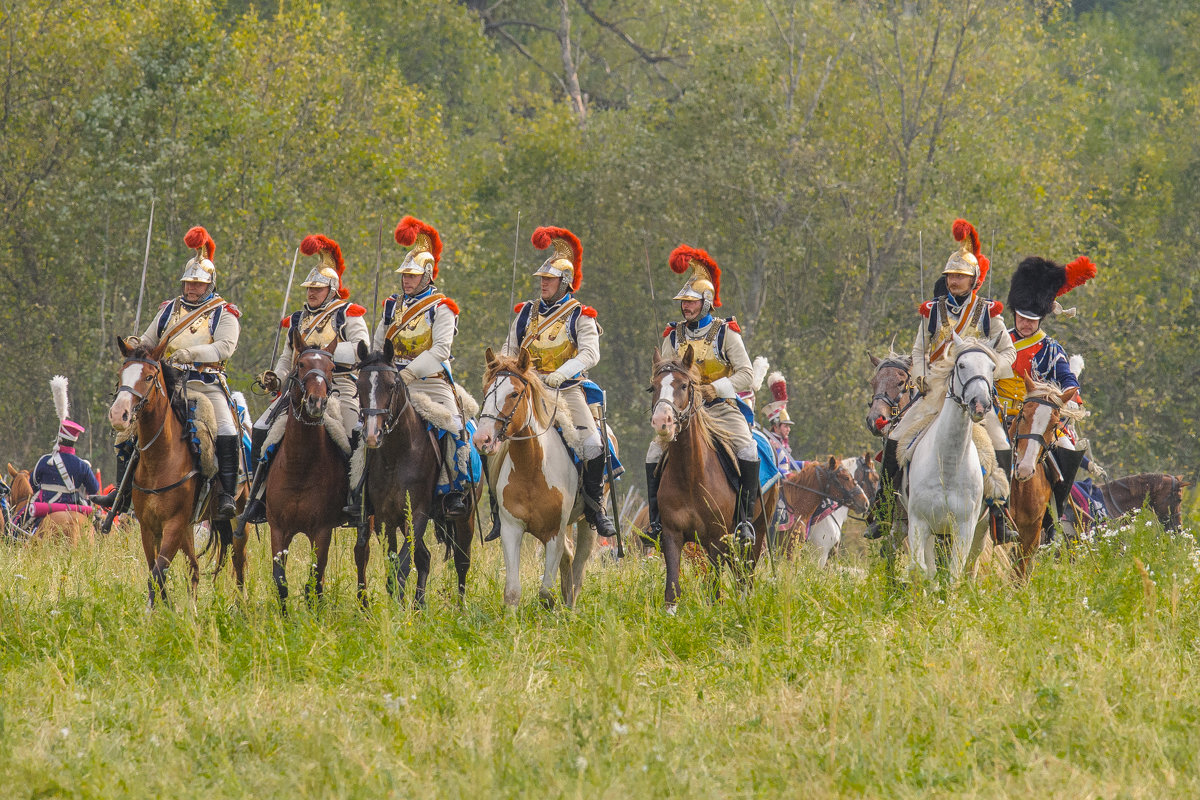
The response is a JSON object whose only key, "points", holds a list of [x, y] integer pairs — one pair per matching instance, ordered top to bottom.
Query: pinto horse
{"points": [[892, 392], [1032, 433], [402, 462], [535, 480], [166, 483], [308, 484], [695, 500], [69, 525]]}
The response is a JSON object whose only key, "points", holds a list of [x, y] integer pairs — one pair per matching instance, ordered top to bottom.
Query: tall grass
{"points": [[827, 683]]}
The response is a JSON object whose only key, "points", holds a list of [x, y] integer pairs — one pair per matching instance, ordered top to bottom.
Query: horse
{"points": [[892, 392], [1033, 433], [402, 462], [534, 477], [945, 477], [166, 482], [308, 483], [1163, 492], [803, 493], [695, 499], [69, 525]]}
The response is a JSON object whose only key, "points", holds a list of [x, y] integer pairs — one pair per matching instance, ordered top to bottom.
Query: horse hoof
{"points": [[671, 609]]}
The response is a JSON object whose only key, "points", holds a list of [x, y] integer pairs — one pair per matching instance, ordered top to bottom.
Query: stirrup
{"points": [[454, 505], [745, 533]]}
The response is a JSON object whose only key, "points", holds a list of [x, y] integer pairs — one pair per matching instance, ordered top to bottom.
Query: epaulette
{"points": [[165, 303], [450, 304], [517, 308], [926, 308], [232, 309], [996, 309], [355, 310], [588, 311], [286, 322], [731, 323], [670, 327]]}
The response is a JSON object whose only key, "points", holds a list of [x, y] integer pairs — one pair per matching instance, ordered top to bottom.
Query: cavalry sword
{"points": [[378, 266], [512, 287], [287, 295], [137, 320]]}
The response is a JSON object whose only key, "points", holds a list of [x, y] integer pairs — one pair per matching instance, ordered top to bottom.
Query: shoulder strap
{"points": [[389, 310], [413, 311], [190, 318], [317, 320]]}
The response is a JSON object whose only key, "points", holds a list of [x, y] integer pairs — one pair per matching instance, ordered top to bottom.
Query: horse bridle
{"points": [[954, 373], [295, 379], [155, 381], [893, 403], [390, 414], [682, 416], [502, 434], [1040, 438], [864, 466], [827, 481]]}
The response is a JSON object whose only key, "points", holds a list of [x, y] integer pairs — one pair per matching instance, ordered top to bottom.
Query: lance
{"points": [[991, 254], [921, 258], [378, 266], [650, 278], [512, 287], [287, 295], [137, 320]]}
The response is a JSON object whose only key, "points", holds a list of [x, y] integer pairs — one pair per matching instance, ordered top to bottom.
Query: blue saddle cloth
{"points": [[594, 395], [475, 460], [768, 470]]}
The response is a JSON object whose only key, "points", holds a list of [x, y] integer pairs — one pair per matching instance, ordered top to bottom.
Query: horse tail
{"points": [[220, 535]]}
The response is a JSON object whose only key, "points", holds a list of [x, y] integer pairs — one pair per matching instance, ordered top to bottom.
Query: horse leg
{"points": [[463, 533], [172, 539], [585, 541], [188, 543], [510, 543], [918, 543], [279, 545], [150, 547], [672, 547], [960, 547], [362, 552], [718, 552], [554, 554], [422, 557], [239, 562], [565, 563], [391, 568], [315, 588]]}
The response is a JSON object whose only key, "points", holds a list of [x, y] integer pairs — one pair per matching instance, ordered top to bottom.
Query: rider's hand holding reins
{"points": [[555, 379], [269, 381]]}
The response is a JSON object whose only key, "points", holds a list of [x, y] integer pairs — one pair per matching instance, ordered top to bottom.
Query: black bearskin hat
{"points": [[1037, 283]]}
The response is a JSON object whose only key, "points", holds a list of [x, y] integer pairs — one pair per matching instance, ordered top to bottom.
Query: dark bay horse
{"points": [[892, 392], [402, 462], [166, 483], [307, 485], [803, 492], [1163, 493], [696, 502]]}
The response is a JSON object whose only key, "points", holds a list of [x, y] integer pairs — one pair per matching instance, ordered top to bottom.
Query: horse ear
{"points": [[296, 340], [958, 340], [123, 347], [362, 351], [389, 351], [157, 353], [489, 357], [688, 357], [655, 359], [523, 360], [874, 360], [1029, 385], [1068, 395], [833, 462], [12, 471]]}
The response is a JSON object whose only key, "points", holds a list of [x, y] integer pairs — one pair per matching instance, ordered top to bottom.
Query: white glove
{"points": [[182, 356], [408, 376], [555, 379], [724, 388]]}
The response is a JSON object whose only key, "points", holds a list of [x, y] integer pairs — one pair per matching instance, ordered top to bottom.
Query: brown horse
{"points": [[892, 392], [1032, 433], [402, 461], [166, 483], [308, 484], [1162, 491], [802, 493], [695, 498], [68, 525]]}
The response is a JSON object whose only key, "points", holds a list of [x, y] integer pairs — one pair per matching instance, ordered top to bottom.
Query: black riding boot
{"points": [[228, 460], [1068, 462], [593, 487], [885, 497], [747, 499], [106, 500], [493, 504], [256, 509], [998, 510], [653, 532]]}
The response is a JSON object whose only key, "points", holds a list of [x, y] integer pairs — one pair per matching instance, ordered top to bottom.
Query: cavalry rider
{"points": [[1032, 296], [956, 308], [327, 317], [421, 323], [201, 332], [563, 339], [725, 369], [779, 425], [62, 480]]}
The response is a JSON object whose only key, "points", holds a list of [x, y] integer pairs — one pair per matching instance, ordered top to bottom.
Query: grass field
{"points": [[1083, 684]]}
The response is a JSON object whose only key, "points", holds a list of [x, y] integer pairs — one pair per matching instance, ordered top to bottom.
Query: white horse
{"points": [[533, 476], [945, 479], [825, 534]]}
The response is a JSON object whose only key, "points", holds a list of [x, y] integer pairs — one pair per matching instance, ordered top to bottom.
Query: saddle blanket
{"points": [[41, 509]]}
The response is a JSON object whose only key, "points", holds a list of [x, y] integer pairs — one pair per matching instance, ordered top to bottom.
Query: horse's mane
{"points": [[892, 355], [373, 358], [939, 374], [1049, 390], [543, 405], [700, 418]]}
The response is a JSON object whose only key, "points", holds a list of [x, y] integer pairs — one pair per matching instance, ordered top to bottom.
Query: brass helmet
{"points": [[426, 250], [967, 259], [566, 263], [200, 267], [329, 267], [705, 281]]}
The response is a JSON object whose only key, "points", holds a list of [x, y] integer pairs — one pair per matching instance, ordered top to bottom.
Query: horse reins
{"points": [[302, 382], [893, 403], [682, 416], [505, 421], [1040, 438], [827, 479]]}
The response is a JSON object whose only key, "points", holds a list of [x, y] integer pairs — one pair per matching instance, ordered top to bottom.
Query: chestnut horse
{"points": [[1032, 433], [403, 461], [535, 480], [166, 483], [307, 486], [803, 492], [695, 499], [70, 525]]}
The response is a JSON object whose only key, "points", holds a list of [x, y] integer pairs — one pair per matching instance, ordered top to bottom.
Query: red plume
{"points": [[411, 227], [963, 229], [197, 237], [541, 240], [316, 243], [681, 258], [984, 265], [1079, 272]]}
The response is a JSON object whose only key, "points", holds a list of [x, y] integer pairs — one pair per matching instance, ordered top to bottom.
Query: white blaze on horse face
{"points": [[121, 412], [662, 418], [371, 422], [487, 435], [1031, 451]]}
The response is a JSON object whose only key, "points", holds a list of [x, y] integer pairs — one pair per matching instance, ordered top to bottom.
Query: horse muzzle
{"points": [[120, 415], [485, 442]]}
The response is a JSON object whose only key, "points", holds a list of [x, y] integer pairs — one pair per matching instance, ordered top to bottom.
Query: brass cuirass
{"points": [[196, 333], [321, 335], [414, 337], [551, 346], [704, 353]]}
